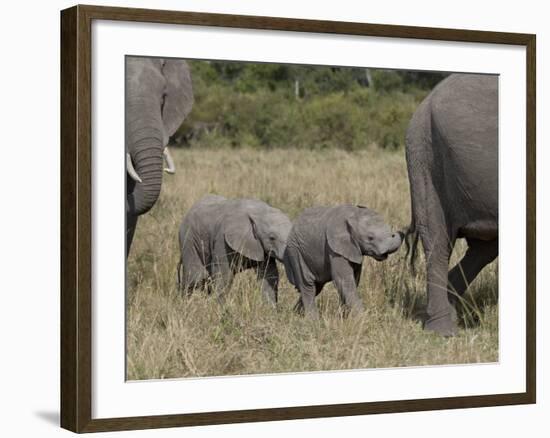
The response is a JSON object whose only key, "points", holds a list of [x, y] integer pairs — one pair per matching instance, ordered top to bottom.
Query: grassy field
{"points": [[172, 336]]}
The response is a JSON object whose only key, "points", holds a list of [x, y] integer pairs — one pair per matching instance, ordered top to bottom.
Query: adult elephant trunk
{"points": [[145, 143], [147, 160]]}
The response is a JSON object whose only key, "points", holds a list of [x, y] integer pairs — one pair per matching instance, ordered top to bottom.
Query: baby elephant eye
{"points": [[370, 237]]}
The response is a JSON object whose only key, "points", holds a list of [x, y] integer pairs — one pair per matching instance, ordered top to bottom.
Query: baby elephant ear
{"points": [[240, 236], [339, 236]]}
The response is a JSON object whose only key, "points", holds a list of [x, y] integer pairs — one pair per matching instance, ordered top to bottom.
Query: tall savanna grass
{"points": [[171, 336]]}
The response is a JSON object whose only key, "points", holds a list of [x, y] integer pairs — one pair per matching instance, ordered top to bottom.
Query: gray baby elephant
{"points": [[219, 237], [328, 244]]}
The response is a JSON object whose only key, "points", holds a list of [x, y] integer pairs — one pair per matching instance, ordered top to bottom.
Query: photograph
{"points": [[285, 218]]}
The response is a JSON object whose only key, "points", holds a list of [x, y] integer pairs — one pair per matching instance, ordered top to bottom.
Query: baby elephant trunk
{"points": [[395, 242], [392, 244], [281, 253]]}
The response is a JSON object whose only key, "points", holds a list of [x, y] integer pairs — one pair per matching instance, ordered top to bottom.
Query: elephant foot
{"points": [[442, 325]]}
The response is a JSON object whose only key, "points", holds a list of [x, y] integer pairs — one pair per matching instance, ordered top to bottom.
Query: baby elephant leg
{"points": [[191, 275], [268, 275], [222, 276], [345, 278], [307, 298], [299, 306]]}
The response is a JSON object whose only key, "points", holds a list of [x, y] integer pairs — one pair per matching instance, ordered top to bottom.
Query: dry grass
{"points": [[172, 336]]}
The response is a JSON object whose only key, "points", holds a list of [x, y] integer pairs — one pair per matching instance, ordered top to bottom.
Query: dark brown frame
{"points": [[76, 174]]}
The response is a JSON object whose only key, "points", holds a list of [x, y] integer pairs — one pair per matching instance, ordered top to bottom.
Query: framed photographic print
{"points": [[268, 218]]}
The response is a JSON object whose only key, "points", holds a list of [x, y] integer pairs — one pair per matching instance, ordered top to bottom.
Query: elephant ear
{"points": [[177, 99], [339, 234], [240, 235]]}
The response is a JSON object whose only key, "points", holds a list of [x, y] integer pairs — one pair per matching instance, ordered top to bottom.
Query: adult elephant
{"points": [[159, 95], [452, 161]]}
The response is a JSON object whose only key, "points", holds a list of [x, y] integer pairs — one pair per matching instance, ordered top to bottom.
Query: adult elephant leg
{"points": [[131, 219], [428, 220], [131, 223], [438, 241], [478, 255], [268, 275], [441, 315]]}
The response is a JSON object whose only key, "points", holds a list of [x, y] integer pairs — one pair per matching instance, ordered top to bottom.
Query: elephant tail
{"points": [[411, 243], [179, 274]]}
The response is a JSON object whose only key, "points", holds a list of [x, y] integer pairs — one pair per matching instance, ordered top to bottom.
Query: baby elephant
{"points": [[220, 237], [328, 244]]}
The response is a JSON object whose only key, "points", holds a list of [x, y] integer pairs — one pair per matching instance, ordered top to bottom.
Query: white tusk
{"points": [[170, 166], [130, 169]]}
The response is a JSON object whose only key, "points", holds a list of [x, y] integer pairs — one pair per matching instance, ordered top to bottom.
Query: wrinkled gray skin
{"points": [[159, 96], [452, 160], [220, 237], [328, 244]]}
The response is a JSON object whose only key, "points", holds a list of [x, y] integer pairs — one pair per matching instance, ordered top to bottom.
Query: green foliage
{"points": [[387, 81], [312, 107]]}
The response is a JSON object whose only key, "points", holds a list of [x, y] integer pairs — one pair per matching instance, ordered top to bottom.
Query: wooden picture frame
{"points": [[76, 218]]}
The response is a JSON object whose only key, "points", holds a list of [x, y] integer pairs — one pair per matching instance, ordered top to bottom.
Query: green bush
{"points": [[255, 105], [388, 116], [332, 121]]}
